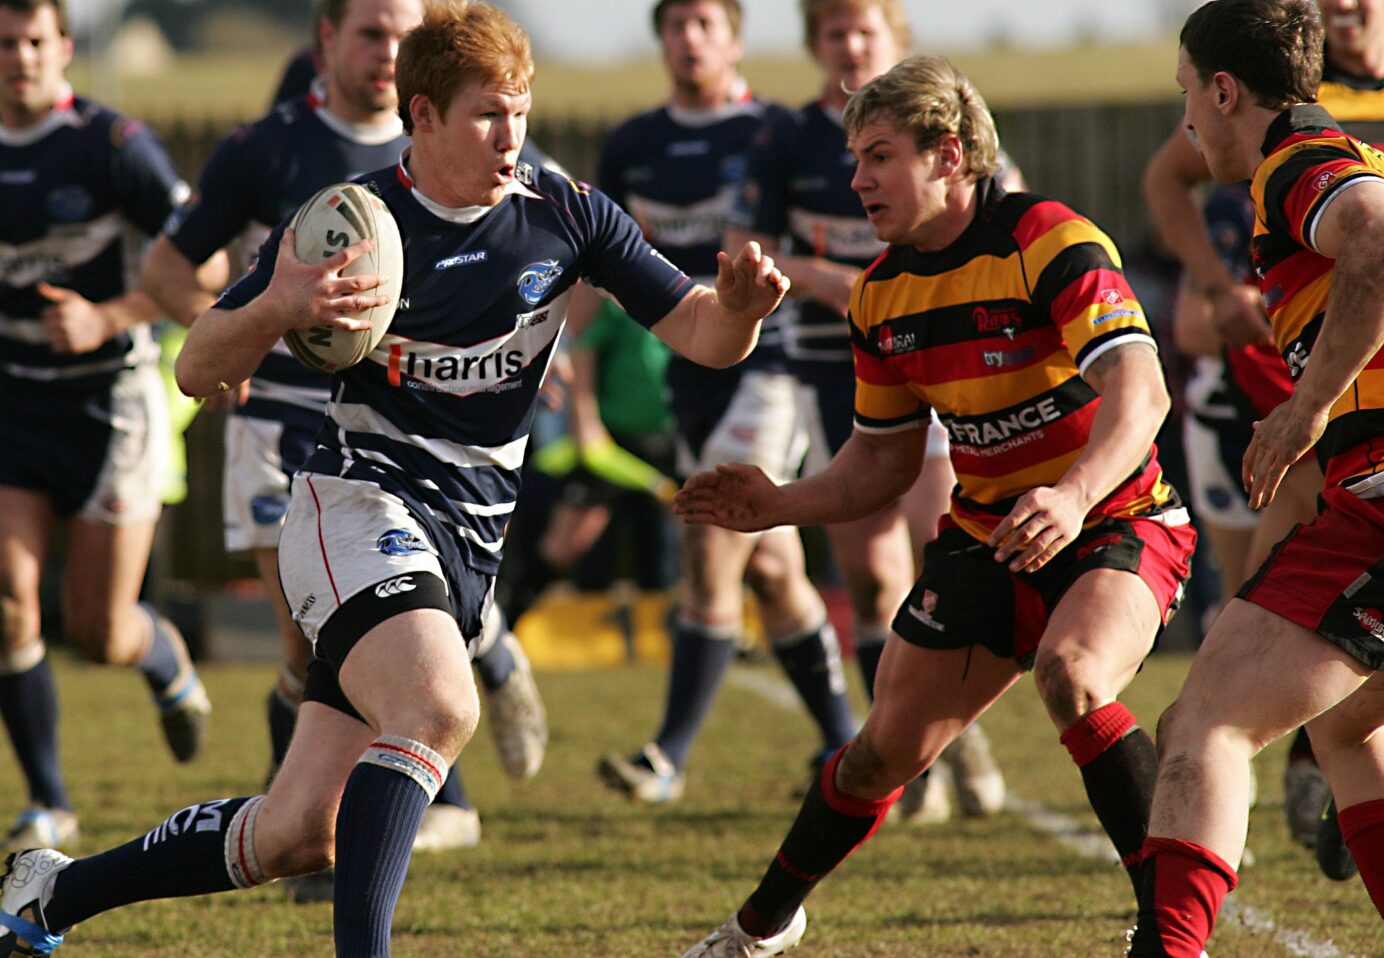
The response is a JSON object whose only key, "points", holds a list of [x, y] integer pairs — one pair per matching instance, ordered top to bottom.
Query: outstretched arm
{"points": [[719, 328], [870, 471]]}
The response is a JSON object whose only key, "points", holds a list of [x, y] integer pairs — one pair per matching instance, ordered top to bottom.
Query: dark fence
{"points": [[1090, 157]]}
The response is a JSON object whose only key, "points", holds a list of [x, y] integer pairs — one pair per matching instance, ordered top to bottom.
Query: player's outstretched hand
{"points": [[749, 286], [317, 294], [71, 322], [1280, 439], [735, 496], [1042, 523]]}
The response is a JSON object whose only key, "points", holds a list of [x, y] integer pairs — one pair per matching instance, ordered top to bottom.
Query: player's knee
{"points": [[19, 621], [1061, 685], [441, 720], [866, 768]]}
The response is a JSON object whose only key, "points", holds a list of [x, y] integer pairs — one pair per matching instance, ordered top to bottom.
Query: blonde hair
{"points": [[815, 11], [458, 41], [929, 97]]}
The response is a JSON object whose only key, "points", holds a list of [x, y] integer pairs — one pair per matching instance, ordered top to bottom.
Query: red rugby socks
{"points": [[1362, 827], [1183, 887]]}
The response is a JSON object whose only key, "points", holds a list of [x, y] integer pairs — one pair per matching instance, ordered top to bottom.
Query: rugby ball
{"points": [[337, 217]]}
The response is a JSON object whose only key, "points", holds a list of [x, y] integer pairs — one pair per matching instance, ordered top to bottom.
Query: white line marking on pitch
{"points": [[1084, 841]]}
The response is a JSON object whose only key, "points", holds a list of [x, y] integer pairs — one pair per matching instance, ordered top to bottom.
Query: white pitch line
{"points": [[1084, 841]]}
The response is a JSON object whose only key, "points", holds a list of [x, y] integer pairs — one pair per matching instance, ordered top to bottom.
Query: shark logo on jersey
{"points": [[70, 204], [537, 279], [400, 542]]}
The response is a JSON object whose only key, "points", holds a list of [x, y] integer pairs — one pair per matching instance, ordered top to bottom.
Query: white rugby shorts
{"points": [[762, 426]]}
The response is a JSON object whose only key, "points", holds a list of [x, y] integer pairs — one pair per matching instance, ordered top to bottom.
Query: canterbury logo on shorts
{"points": [[395, 586]]}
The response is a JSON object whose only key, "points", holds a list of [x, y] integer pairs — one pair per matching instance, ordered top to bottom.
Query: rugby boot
{"points": [[184, 708], [518, 721], [647, 777], [445, 827], [42, 828], [1333, 856], [25, 889], [732, 941]]}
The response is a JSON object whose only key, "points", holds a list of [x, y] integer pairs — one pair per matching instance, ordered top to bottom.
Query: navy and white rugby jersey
{"points": [[678, 173], [256, 177], [798, 186], [80, 191], [439, 413]]}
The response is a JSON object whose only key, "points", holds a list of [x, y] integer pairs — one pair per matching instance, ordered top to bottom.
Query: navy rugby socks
{"points": [[701, 655], [812, 660], [161, 664], [495, 666], [29, 705], [1119, 765], [381, 809], [830, 825], [185, 855]]}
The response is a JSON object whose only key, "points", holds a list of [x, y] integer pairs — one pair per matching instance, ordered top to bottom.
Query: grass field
{"points": [[568, 870]]}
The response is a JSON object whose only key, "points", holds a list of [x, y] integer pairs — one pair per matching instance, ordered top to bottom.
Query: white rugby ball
{"points": [[337, 217]]}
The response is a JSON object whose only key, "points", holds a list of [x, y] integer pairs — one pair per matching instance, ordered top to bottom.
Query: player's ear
{"points": [[422, 111]]}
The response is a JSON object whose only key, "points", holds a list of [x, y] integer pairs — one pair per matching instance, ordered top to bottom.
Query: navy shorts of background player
{"points": [[678, 173], [80, 190], [438, 416]]}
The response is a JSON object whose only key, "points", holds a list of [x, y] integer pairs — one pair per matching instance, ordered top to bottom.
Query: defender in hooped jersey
{"points": [[1352, 91], [346, 125], [677, 170], [797, 202], [85, 427], [397, 520], [1064, 555], [1301, 642]]}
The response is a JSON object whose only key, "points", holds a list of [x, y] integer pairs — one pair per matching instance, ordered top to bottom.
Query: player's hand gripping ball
{"points": [[339, 216]]}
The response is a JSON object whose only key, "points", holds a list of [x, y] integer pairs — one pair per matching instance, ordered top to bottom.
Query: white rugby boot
{"points": [[518, 721], [647, 777], [978, 781], [926, 800], [39, 827], [445, 827], [25, 890], [731, 941]]}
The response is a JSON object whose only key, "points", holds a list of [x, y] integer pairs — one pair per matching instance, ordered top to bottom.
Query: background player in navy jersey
{"points": [[1352, 90], [347, 126], [677, 170], [798, 191], [84, 422], [397, 521], [1064, 550], [1301, 643]]}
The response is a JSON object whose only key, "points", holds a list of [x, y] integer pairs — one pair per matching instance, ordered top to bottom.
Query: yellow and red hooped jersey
{"points": [[1310, 162], [993, 333]]}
